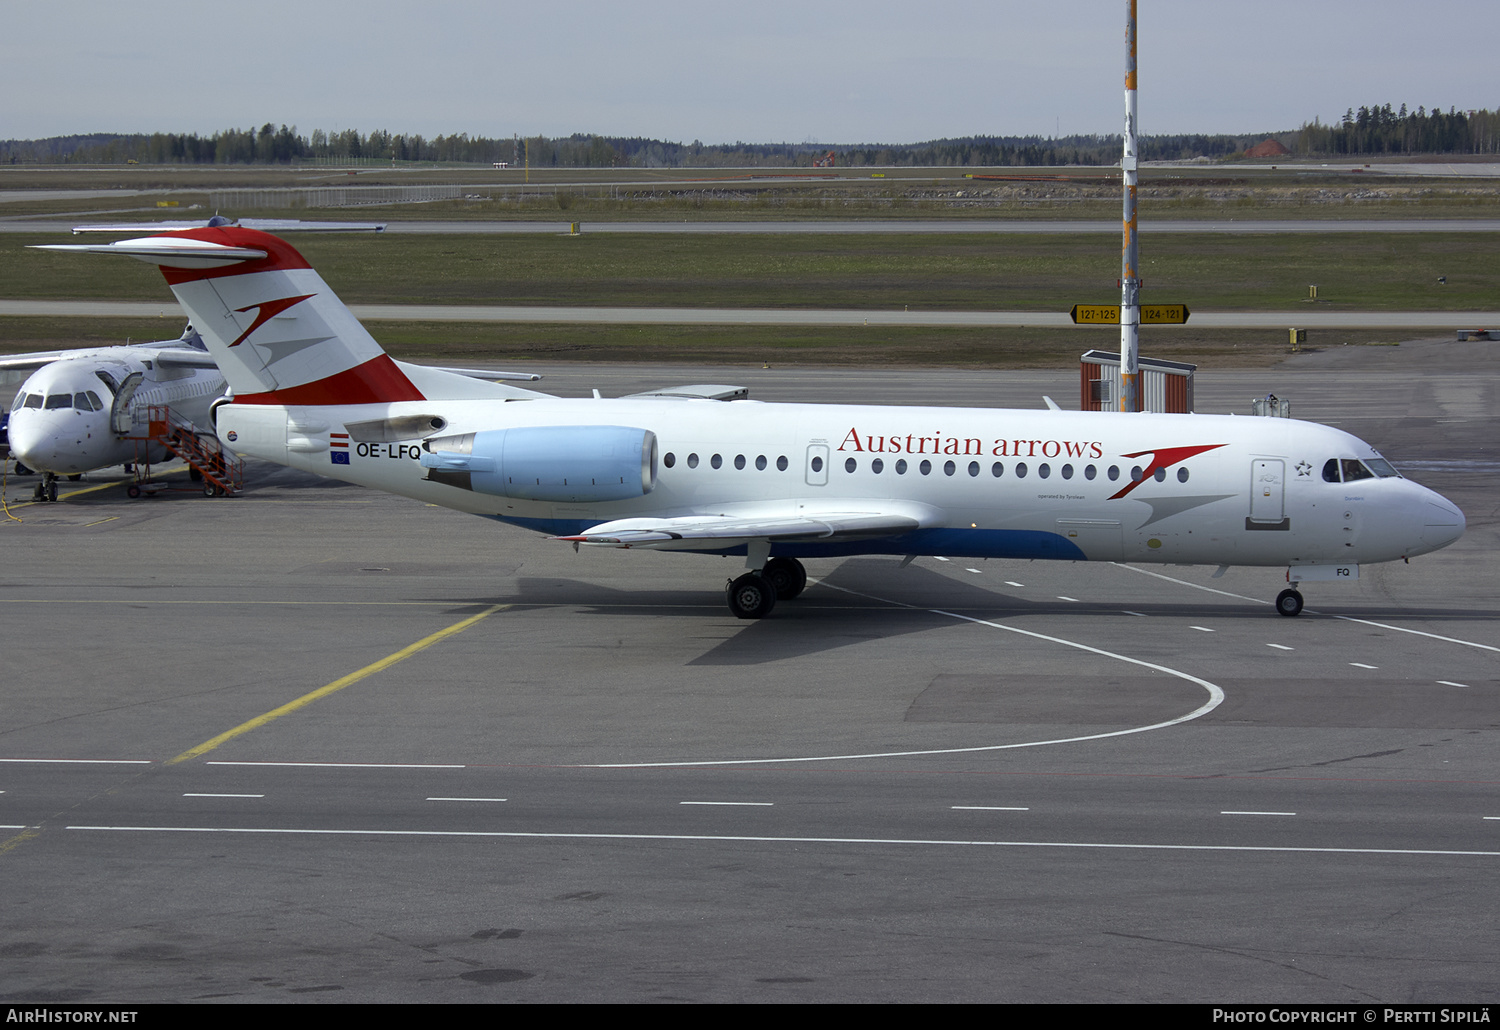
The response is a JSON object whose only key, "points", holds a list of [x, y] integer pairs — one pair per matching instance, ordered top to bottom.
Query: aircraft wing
{"points": [[184, 357], [33, 361], [488, 373], [788, 525]]}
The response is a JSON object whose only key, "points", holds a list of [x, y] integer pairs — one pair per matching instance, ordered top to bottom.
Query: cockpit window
{"points": [[34, 400], [59, 400], [19, 402], [82, 403], [1382, 468], [1355, 470], [1331, 471]]}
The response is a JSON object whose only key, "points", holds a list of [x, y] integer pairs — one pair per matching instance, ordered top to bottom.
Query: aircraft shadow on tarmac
{"points": [[866, 599]]}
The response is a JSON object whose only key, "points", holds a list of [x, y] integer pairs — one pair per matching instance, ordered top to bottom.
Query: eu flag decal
{"points": [[339, 457]]}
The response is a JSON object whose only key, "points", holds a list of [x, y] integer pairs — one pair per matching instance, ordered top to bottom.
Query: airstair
{"points": [[220, 473]]}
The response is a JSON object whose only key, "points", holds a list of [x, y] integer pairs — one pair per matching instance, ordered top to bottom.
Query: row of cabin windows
{"points": [[86, 401], [669, 460], [877, 465], [1020, 470]]}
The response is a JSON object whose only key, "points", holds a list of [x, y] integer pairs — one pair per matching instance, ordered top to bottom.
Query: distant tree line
{"points": [[1372, 130], [1380, 130]]}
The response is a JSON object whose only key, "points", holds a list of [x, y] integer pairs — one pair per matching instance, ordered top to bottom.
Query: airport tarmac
{"points": [[535, 775]]}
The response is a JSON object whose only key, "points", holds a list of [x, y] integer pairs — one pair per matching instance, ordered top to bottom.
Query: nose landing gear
{"points": [[1289, 602]]}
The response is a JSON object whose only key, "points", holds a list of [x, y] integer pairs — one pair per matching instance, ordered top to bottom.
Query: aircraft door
{"points": [[120, 419], [817, 464], [1267, 494]]}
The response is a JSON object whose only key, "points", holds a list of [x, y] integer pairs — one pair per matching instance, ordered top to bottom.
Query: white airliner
{"points": [[80, 409], [778, 482]]}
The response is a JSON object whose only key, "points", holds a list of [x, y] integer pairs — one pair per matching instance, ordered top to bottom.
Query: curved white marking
{"points": [[1215, 698]]}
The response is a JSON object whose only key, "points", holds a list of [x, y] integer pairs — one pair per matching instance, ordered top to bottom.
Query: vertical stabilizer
{"points": [[276, 330]]}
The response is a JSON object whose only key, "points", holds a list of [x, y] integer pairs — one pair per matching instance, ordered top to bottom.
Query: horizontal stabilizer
{"points": [[263, 224], [171, 251]]}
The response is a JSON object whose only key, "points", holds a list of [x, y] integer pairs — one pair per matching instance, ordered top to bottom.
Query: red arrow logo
{"points": [[268, 310]]}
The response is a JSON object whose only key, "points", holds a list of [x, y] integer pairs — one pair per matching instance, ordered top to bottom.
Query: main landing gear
{"points": [[754, 594], [1289, 602]]}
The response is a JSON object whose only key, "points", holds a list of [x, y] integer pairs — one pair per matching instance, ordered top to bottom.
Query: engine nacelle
{"points": [[213, 409], [546, 463]]}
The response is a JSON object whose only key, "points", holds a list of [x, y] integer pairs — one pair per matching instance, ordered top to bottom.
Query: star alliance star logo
{"points": [[1303, 469]]}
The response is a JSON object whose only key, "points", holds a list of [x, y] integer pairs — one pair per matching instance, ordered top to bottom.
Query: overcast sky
{"points": [[755, 70]]}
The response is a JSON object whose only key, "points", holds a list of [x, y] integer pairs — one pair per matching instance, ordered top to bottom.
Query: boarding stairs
{"points": [[221, 473]]}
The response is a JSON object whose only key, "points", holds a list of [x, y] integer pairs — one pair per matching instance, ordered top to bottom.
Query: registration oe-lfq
{"points": [[702, 469]]}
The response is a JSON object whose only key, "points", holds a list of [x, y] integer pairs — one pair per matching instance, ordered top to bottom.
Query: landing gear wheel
{"points": [[22, 470], [52, 490], [133, 490], [209, 490], [38, 493], [788, 577], [751, 596], [1289, 602]]}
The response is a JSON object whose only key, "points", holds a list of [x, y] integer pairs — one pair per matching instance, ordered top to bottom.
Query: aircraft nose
{"points": [[29, 439], [1443, 523]]}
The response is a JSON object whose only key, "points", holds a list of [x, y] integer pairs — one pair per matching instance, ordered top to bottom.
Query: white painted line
{"points": [[939, 557], [975, 571], [1183, 582], [1013, 583], [1060, 597], [1138, 615], [1201, 629], [1417, 632], [1281, 647], [1362, 665], [1446, 683], [1215, 698], [78, 761], [338, 765], [223, 795], [468, 799], [731, 804], [986, 808], [1257, 813], [1488, 818], [842, 841]]}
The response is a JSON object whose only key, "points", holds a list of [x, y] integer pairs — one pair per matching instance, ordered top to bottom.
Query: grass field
{"points": [[878, 272], [461, 343]]}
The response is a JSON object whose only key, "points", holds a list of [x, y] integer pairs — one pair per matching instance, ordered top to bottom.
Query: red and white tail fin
{"points": [[278, 333]]}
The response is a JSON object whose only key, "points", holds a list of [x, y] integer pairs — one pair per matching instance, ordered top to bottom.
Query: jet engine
{"points": [[546, 463]]}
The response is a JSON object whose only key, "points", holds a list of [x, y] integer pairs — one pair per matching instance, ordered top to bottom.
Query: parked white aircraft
{"points": [[79, 409], [778, 482]]}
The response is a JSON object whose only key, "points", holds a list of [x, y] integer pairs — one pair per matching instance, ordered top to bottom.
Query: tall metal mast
{"points": [[1130, 284]]}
